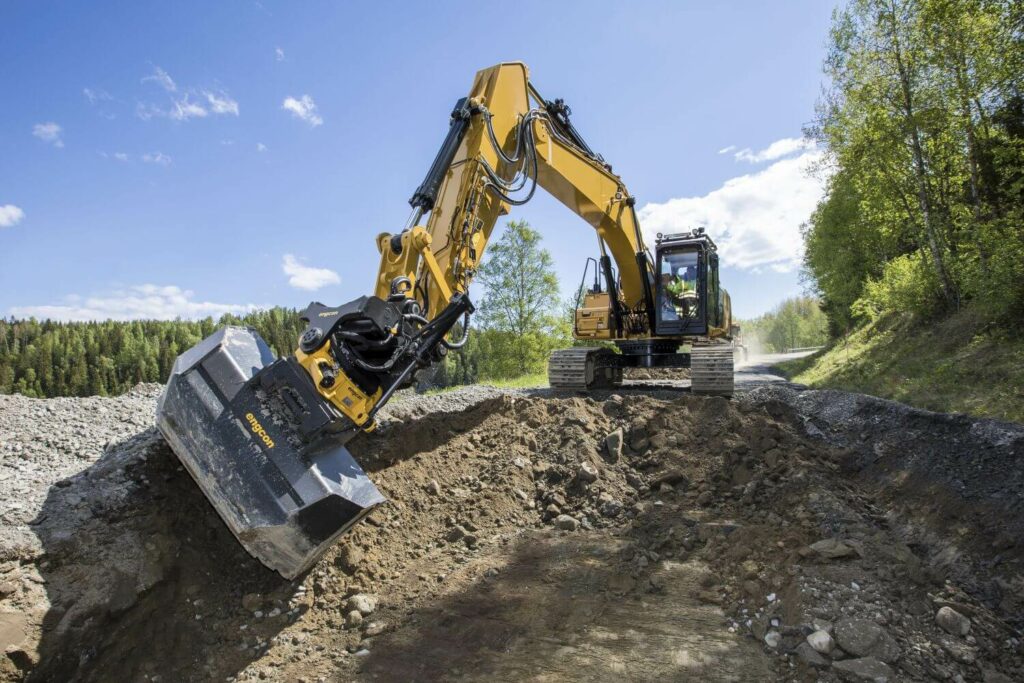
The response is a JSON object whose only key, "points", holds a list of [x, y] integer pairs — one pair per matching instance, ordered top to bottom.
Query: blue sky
{"points": [[188, 158]]}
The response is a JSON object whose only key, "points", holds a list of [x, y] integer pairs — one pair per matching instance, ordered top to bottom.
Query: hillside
{"points": [[957, 365]]}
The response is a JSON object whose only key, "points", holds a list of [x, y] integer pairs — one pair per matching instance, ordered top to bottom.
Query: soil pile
{"points": [[530, 535]]}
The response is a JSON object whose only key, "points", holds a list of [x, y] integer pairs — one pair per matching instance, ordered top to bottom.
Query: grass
{"points": [[959, 364], [535, 381]]}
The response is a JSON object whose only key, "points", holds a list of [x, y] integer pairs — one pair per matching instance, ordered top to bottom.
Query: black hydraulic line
{"points": [[559, 113], [426, 193], [646, 267], [613, 293], [425, 343]]}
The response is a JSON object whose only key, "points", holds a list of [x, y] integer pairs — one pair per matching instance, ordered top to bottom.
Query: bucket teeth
{"points": [[274, 467]]}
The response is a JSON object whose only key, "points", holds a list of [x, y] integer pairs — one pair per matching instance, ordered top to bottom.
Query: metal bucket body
{"points": [[285, 499]]}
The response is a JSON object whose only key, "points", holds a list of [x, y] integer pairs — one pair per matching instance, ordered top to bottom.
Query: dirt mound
{"points": [[533, 535]]}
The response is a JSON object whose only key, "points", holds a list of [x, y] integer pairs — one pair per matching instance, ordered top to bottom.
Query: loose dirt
{"points": [[644, 535]]}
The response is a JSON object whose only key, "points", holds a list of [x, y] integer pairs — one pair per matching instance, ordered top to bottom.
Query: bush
{"points": [[907, 284]]}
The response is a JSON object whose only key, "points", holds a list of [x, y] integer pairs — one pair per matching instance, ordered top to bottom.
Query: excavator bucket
{"points": [[242, 433]]}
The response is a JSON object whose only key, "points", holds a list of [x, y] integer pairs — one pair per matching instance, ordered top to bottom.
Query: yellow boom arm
{"points": [[508, 138]]}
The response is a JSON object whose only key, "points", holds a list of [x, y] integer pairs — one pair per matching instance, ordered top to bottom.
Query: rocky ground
{"points": [[642, 535]]}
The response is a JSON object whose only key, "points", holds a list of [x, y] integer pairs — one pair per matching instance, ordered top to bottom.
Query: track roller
{"points": [[583, 368], [711, 370]]}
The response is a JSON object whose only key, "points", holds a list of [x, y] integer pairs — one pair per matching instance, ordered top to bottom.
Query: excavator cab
{"points": [[688, 299]]}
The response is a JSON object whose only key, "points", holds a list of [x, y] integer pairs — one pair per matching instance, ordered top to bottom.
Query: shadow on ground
{"points": [[142, 576], [567, 607]]}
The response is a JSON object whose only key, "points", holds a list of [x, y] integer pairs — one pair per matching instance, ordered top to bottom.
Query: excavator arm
{"points": [[503, 141]]}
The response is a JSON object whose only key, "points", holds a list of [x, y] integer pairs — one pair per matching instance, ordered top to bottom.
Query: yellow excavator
{"points": [[265, 437]]}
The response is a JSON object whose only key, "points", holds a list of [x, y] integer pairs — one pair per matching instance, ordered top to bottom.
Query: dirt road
{"points": [[643, 535]]}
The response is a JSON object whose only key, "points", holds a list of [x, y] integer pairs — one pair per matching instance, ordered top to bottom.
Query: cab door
{"points": [[681, 285]]}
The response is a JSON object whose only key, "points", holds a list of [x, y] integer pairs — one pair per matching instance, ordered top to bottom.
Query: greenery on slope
{"points": [[917, 250], [956, 365]]}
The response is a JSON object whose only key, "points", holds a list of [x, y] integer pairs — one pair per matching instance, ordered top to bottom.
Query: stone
{"points": [[613, 445], [587, 473], [674, 478], [433, 488], [566, 523], [456, 533], [833, 549], [349, 558], [7, 588], [252, 601], [362, 602], [353, 619], [952, 621], [375, 628], [864, 638], [772, 639], [821, 642], [958, 650], [809, 656], [864, 670], [991, 676]]}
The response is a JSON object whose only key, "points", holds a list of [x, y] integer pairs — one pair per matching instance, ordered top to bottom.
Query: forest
{"points": [[922, 128]]}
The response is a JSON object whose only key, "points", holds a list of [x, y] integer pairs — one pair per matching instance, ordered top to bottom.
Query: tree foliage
{"points": [[923, 128], [519, 312], [795, 323], [50, 358]]}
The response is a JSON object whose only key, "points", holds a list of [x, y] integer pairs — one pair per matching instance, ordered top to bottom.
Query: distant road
{"points": [[757, 371]]}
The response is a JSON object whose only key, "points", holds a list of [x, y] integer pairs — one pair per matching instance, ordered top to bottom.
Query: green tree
{"points": [[922, 123], [519, 311]]}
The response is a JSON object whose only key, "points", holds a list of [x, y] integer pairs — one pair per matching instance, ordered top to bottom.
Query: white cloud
{"points": [[279, 54], [161, 78], [95, 95], [221, 103], [303, 108], [185, 109], [48, 132], [260, 147], [726, 150], [776, 150], [120, 156], [158, 158], [10, 215], [755, 219], [307, 277], [141, 302]]}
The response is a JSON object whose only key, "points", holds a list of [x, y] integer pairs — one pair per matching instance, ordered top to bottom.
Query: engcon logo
{"points": [[258, 430]]}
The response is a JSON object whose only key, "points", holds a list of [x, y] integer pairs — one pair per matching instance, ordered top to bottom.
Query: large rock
{"points": [[613, 445], [587, 473], [566, 522], [833, 549], [361, 602], [952, 621], [865, 638], [822, 642], [809, 656], [864, 670]]}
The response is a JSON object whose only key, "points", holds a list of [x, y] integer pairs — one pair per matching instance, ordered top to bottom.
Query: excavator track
{"points": [[580, 368], [711, 370]]}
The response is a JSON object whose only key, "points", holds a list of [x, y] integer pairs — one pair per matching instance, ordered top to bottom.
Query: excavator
{"points": [[265, 437]]}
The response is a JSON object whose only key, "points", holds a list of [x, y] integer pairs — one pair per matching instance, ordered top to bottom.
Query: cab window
{"points": [[678, 291]]}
